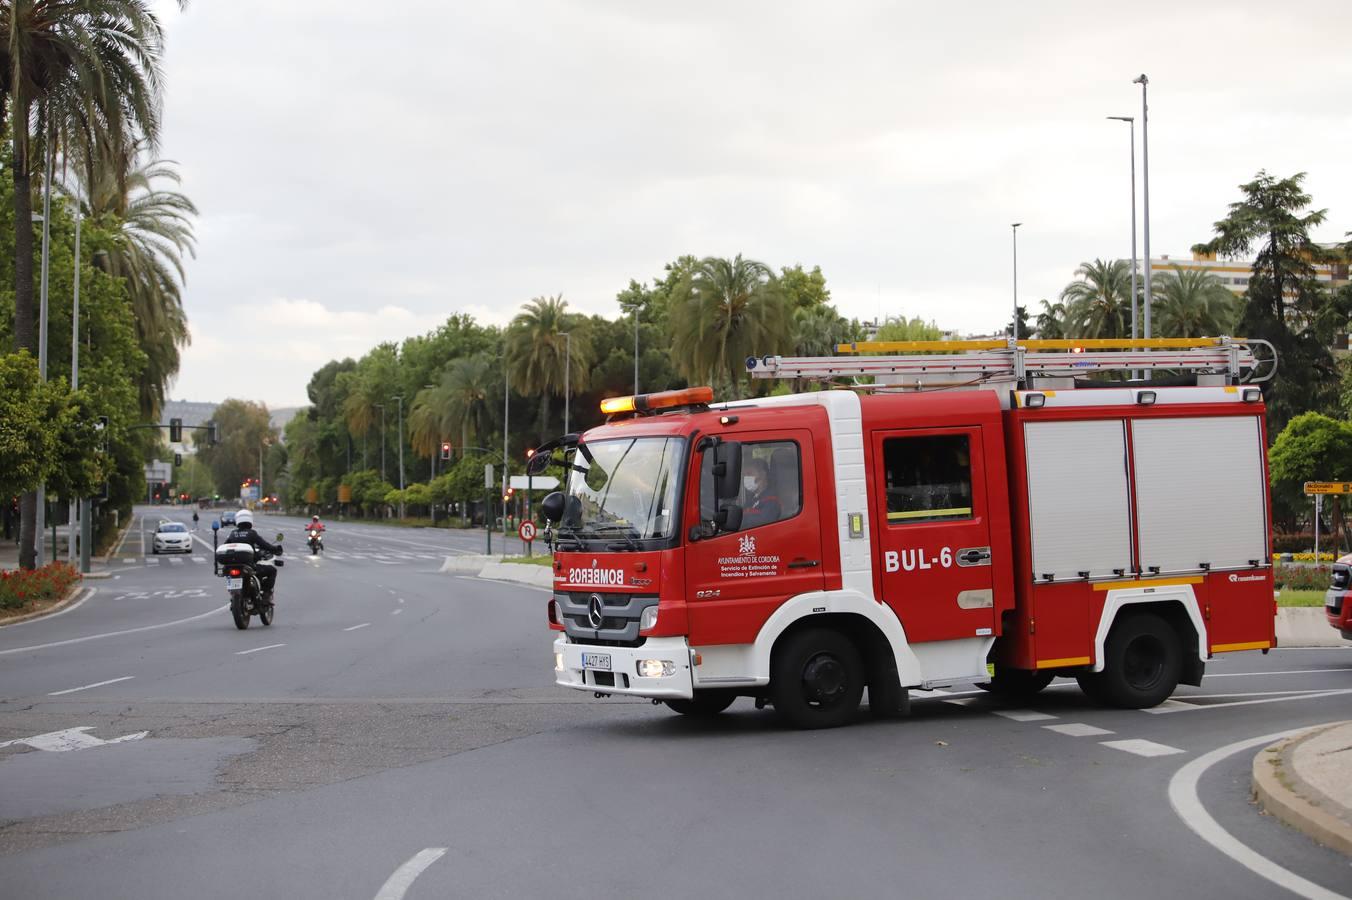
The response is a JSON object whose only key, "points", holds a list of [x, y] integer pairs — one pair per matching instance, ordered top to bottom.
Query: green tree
{"points": [[803, 289], [1098, 301], [1192, 303], [1284, 303], [728, 310], [1051, 322], [901, 328], [1025, 330], [537, 352], [28, 409], [242, 428], [1312, 447]]}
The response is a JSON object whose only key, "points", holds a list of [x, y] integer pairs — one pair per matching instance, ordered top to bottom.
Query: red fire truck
{"points": [[975, 512]]}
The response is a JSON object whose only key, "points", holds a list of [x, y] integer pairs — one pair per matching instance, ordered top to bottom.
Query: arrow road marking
{"points": [[71, 739]]}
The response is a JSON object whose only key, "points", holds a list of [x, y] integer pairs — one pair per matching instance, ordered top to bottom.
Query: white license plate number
{"points": [[234, 584], [599, 661]]}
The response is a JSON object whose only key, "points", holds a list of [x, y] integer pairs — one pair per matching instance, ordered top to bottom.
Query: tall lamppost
{"points": [[1144, 82], [1131, 121], [1014, 230], [636, 309], [567, 375], [431, 387], [400, 399], [381, 407], [40, 508]]}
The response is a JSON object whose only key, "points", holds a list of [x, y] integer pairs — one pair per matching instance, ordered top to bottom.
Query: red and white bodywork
{"points": [[938, 532]]}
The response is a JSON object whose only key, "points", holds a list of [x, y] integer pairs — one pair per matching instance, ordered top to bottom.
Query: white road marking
{"points": [[199, 559], [130, 560], [153, 561], [89, 592], [401, 599], [396, 612], [355, 627], [94, 637], [257, 649], [89, 686], [1185, 707], [1022, 715], [1077, 729], [71, 739], [1142, 747], [1183, 797], [398, 884]]}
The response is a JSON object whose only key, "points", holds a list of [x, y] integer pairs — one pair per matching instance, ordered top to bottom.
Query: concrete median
{"points": [[1306, 781]]}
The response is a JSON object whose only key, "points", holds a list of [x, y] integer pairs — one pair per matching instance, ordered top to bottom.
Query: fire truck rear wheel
{"points": [[1142, 662], [817, 679], [703, 705]]}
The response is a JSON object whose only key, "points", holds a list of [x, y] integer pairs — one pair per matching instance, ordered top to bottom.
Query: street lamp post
{"points": [[1144, 82], [1131, 121], [1014, 230], [636, 308], [567, 374], [400, 399], [381, 407], [506, 411], [77, 507], [40, 510]]}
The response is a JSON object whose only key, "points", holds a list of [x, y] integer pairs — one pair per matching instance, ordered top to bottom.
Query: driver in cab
{"points": [[762, 502]]}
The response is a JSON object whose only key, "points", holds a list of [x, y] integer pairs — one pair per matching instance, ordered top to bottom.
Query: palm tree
{"points": [[91, 68], [153, 228], [1096, 302], [1193, 303], [727, 310], [1051, 322], [817, 330], [537, 350], [467, 389]]}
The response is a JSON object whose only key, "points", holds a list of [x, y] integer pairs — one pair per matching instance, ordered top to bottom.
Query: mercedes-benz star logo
{"points": [[595, 615]]}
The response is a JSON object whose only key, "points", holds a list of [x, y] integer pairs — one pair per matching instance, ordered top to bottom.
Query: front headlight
{"points": [[648, 620], [558, 662], [656, 668]]}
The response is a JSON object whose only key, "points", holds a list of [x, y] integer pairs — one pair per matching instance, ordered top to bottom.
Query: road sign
{"points": [[157, 472], [488, 475], [533, 482], [1328, 487], [527, 531]]}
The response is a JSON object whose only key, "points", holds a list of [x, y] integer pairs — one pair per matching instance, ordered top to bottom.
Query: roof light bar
{"points": [[662, 400]]}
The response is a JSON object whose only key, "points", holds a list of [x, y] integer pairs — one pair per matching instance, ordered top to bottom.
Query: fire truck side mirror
{"points": [[727, 471], [552, 507]]}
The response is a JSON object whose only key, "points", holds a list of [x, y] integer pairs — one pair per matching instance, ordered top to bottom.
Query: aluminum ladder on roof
{"points": [[999, 361]]}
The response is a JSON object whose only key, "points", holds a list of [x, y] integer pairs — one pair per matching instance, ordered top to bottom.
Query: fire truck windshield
{"points": [[623, 489]]}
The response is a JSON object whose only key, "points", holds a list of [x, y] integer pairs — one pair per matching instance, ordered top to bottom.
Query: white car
{"points": [[172, 537]]}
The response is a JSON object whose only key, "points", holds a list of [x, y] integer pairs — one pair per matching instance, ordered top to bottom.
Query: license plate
{"points": [[234, 584], [596, 661]]}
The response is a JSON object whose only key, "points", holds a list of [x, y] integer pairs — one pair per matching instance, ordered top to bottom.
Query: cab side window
{"points": [[929, 478], [772, 484]]}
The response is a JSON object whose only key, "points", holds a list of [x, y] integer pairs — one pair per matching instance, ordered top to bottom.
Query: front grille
{"points": [[1341, 576], [620, 614]]}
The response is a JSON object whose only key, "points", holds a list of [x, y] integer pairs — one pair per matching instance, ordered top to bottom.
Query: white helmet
{"points": [[243, 517]]}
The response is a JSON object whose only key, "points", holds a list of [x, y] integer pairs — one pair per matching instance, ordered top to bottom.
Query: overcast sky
{"points": [[366, 169]]}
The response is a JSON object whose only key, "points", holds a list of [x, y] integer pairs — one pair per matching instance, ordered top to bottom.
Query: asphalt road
{"points": [[397, 730]]}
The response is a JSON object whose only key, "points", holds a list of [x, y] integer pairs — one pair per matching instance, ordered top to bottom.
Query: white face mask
{"points": [[751, 483]]}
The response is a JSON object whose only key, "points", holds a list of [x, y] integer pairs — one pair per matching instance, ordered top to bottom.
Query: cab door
{"points": [[932, 530], [736, 579]]}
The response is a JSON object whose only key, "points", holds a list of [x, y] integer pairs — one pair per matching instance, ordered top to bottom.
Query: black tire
{"points": [[238, 611], [265, 613], [1142, 662], [817, 679], [1014, 683], [1092, 686], [704, 705]]}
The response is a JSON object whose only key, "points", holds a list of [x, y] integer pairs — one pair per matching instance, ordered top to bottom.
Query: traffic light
{"points": [[175, 431], [211, 434], [445, 449], [178, 459]]}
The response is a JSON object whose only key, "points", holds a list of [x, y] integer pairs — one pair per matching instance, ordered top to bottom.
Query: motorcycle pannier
{"points": [[235, 554]]}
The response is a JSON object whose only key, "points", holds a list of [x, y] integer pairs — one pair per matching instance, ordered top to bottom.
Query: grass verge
{"points": [[1288, 597]]}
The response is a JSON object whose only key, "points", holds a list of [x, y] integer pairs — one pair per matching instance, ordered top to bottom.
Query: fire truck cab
{"points": [[803, 549]]}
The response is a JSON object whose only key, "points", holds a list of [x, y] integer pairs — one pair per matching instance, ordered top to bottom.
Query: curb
{"points": [[494, 569], [75, 590], [1306, 626], [1281, 792]]}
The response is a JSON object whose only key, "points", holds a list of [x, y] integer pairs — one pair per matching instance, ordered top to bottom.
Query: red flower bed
{"points": [[19, 588]]}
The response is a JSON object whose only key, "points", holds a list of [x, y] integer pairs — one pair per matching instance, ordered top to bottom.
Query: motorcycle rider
{"points": [[315, 525], [244, 533]]}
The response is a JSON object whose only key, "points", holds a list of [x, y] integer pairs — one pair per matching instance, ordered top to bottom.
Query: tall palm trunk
{"points": [[25, 332], [544, 415]]}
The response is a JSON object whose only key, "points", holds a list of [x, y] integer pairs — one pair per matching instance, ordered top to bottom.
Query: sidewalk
{"points": [[9, 554], [1306, 781]]}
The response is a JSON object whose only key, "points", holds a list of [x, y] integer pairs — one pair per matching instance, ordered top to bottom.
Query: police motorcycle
{"points": [[316, 540], [238, 564]]}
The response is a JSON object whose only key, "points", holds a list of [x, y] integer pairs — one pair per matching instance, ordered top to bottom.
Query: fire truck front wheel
{"points": [[1142, 662], [816, 679], [704, 705]]}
